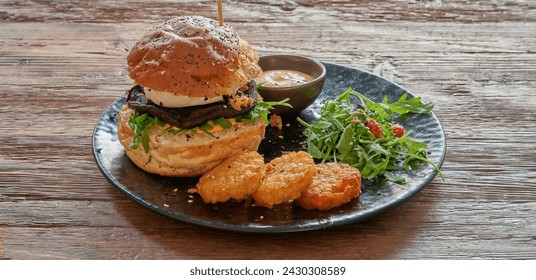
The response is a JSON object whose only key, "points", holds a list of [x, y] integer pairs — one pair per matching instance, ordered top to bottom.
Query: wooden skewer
{"points": [[220, 12]]}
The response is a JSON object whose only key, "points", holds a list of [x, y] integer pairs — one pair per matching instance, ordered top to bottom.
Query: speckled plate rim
{"points": [[353, 217]]}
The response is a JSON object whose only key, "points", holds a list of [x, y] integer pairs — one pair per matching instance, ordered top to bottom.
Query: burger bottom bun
{"points": [[188, 155]]}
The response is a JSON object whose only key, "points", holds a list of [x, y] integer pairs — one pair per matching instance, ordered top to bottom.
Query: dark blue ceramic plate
{"points": [[170, 197]]}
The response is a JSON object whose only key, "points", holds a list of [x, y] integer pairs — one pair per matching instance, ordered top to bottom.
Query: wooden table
{"points": [[63, 62]]}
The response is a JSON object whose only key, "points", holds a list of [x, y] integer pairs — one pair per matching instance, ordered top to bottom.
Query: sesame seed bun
{"points": [[193, 56]]}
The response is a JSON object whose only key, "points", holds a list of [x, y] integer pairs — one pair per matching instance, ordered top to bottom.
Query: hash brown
{"points": [[286, 177], [235, 178], [334, 185]]}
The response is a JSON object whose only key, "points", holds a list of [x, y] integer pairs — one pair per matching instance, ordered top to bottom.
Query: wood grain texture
{"points": [[63, 62]]}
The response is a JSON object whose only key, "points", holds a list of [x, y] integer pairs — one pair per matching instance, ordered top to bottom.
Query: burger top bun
{"points": [[193, 56]]}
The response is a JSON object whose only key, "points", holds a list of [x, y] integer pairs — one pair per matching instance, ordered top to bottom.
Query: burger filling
{"points": [[239, 104]]}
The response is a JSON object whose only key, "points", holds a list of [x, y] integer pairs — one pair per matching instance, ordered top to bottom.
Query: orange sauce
{"points": [[283, 78]]}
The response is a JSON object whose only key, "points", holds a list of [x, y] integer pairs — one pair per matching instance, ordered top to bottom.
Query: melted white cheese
{"points": [[170, 100]]}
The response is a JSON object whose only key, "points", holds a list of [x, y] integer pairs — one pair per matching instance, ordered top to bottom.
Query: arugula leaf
{"points": [[403, 106], [262, 110], [223, 122], [140, 123], [206, 129], [344, 133], [345, 143]]}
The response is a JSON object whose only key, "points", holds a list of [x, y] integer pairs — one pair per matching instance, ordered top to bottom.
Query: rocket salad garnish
{"points": [[367, 136]]}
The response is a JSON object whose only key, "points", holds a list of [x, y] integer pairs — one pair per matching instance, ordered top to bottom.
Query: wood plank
{"points": [[271, 11], [99, 232]]}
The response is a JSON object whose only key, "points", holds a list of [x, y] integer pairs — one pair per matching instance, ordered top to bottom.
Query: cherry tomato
{"points": [[374, 127], [398, 130]]}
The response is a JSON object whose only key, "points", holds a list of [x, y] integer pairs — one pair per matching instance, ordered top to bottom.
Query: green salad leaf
{"points": [[262, 110], [139, 124], [368, 137]]}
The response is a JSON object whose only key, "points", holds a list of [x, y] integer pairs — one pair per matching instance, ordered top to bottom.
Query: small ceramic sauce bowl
{"points": [[300, 95]]}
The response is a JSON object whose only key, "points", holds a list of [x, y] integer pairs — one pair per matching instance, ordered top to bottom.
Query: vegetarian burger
{"points": [[195, 99]]}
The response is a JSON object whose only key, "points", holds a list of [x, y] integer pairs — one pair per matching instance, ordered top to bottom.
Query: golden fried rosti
{"points": [[286, 177], [235, 178], [334, 185]]}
